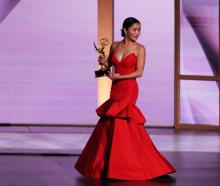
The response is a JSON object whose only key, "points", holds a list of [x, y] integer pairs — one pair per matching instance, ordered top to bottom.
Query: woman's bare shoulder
{"points": [[115, 44], [141, 48]]}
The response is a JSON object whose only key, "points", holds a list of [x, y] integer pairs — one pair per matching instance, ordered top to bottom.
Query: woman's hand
{"points": [[103, 60], [113, 76]]}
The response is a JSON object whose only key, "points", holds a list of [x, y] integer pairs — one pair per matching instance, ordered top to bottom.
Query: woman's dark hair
{"points": [[128, 22]]}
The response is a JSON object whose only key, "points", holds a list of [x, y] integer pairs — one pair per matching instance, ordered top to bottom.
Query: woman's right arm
{"points": [[106, 61]]}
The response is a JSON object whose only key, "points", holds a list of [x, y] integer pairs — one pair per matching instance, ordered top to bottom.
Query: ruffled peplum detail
{"points": [[121, 109]]}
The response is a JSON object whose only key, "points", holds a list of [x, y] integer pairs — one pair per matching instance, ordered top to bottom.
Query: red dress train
{"points": [[119, 146]]}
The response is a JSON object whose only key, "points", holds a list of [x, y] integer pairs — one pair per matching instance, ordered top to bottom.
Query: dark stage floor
{"points": [[193, 168]]}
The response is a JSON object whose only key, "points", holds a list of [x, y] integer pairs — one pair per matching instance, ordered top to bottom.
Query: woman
{"points": [[120, 147]]}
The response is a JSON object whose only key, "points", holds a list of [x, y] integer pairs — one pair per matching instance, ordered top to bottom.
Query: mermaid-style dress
{"points": [[119, 146]]}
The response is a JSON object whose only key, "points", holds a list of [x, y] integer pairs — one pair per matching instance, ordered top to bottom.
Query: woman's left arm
{"points": [[139, 67]]}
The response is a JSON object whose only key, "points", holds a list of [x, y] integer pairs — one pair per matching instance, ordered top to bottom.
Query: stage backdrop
{"points": [[199, 55], [47, 61], [156, 87]]}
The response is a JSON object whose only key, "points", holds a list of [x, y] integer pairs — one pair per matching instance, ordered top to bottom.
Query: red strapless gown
{"points": [[119, 146]]}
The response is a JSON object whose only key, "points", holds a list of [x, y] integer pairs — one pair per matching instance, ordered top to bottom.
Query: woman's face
{"points": [[133, 31]]}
